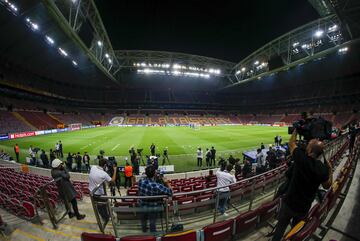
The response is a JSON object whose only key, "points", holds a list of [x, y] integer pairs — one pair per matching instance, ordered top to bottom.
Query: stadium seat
{"points": [[28, 210], [268, 210], [246, 221], [220, 231], [302, 231], [186, 235], [96, 237], [138, 238]]}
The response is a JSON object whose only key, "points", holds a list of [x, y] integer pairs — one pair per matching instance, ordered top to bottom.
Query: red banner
{"points": [[23, 134]]}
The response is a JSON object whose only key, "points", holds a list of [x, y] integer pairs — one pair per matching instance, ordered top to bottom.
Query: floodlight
{"points": [[28, 20], [34, 26], [332, 28], [318, 33], [49, 40], [99, 43], [295, 44], [304, 46], [343, 50], [63, 52], [107, 55], [110, 61], [256, 62], [74, 63], [243, 69], [238, 72]]}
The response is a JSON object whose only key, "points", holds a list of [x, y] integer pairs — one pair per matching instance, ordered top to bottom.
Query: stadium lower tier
{"points": [[20, 121]]}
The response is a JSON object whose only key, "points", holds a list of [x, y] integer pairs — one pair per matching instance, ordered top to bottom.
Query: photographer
{"points": [[132, 155], [165, 156], [128, 174], [97, 176], [304, 178], [65, 187], [149, 187]]}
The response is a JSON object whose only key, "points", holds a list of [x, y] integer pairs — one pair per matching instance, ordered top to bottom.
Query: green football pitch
{"points": [[182, 142]]}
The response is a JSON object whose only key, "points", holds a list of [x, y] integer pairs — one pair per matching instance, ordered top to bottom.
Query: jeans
{"points": [[199, 161], [223, 200], [149, 213], [284, 218]]}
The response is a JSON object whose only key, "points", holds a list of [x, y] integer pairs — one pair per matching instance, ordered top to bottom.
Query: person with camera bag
{"points": [[97, 176], [304, 177], [152, 186]]}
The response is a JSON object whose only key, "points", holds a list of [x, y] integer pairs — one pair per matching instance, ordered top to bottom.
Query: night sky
{"points": [[227, 29]]}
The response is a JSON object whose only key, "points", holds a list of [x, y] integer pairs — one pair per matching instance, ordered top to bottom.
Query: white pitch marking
{"points": [[115, 147]]}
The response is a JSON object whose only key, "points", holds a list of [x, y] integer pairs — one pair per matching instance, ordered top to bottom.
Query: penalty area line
{"points": [[115, 147]]}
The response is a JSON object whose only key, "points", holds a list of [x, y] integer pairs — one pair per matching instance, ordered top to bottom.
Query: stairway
{"points": [[23, 120]]}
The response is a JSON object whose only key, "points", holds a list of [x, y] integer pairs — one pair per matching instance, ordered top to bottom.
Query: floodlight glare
{"points": [[28, 20], [34, 26], [332, 28], [318, 33], [49, 40], [99, 43], [295, 44], [343, 50], [63, 52], [107, 55], [110, 61], [256, 62], [74, 63], [243, 69], [238, 72]]}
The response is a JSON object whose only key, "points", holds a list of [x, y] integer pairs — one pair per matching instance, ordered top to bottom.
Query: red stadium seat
{"points": [[28, 210], [268, 210], [246, 221], [220, 231], [305, 232], [187, 235], [96, 237], [138, 238]]}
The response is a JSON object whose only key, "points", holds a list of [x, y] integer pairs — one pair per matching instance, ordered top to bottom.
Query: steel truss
{"points": [[71, 16], [295, 47]]}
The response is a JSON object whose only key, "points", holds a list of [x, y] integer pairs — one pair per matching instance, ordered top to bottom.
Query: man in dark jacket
{"points": [[213, 156], [44, 158], [78, 160], [66, 189]]}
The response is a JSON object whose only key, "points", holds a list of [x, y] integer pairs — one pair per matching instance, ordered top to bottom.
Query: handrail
{"points": [[44, 196]]}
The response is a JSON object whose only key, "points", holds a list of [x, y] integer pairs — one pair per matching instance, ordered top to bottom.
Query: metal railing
{"points": [[253, 183]]}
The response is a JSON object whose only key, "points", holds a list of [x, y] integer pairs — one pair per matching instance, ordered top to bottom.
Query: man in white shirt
{"points": [[199, 154], [32, 155], [260, 161], [97, 176], [224, 178]]}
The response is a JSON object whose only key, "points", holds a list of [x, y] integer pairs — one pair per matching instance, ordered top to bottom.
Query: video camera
{"points": [[311, 128]]}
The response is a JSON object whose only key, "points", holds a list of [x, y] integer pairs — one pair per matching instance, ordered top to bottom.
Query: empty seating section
{"points": [[40, 120], [9, 123], [19, 192]]}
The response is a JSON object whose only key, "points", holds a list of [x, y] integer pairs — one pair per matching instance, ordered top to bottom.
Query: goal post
{"points": [[75, 126]]}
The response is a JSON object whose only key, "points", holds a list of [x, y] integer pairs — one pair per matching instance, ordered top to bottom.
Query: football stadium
{"points": [[168, 121]]}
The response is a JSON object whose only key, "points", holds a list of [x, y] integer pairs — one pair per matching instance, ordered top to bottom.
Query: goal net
{"points": [[75, 126]]}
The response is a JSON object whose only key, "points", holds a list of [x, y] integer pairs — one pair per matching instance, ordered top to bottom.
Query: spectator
{"points": [[276, 140], [279, 140], [262, 147], [152, 149], [57, 150], [61, 150], [17, 152], [132, 154], [32, 155], [199, 155], [52, 156], [165, 156], [213, 156], [208, 157], [44, 158], [271, 158], [78, 160], [231, 160], [86, 161], [69, 162], [260, 163], [136, 166], [237, 167], [247, 169], [128, 174], [98, 176], [305, 176], [209, 178], [224, 178], [148, 187], [66, 190]]}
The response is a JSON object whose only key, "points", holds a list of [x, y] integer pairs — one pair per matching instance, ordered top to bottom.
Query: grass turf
{"points": [[182, 142]]}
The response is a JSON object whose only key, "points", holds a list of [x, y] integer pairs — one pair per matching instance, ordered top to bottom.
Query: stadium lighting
{"points": [[13, 7], [28, 20], [35, 26], [333, 28], [318, 33], [49, 40], [99, 43], [295, 44], [304, 46], [343, 50], [63, 52], [107, 55], [110, 61], [256, 62], [74, 63], [243, 69], [238, 72]]}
